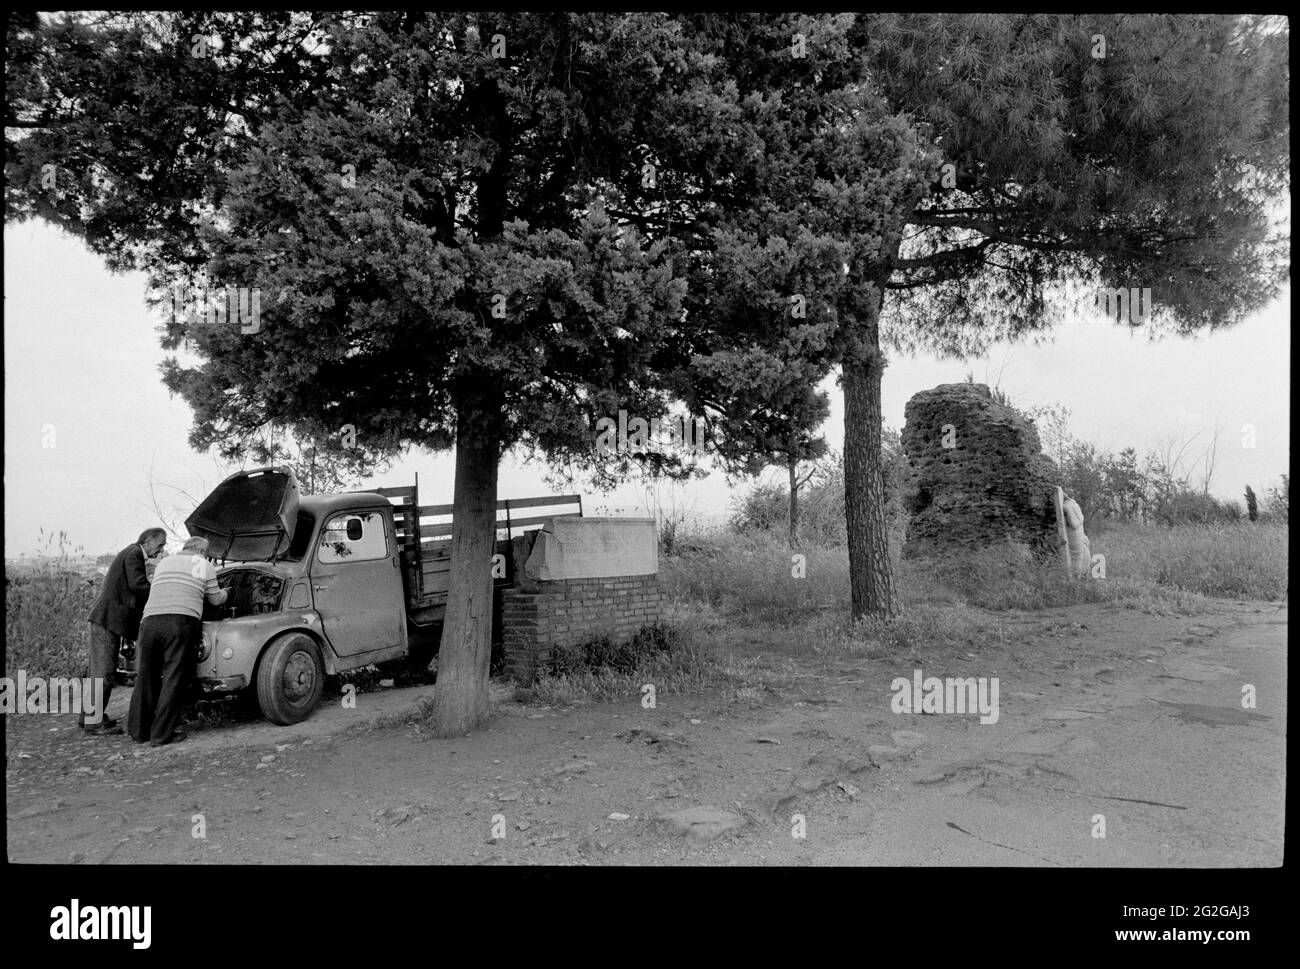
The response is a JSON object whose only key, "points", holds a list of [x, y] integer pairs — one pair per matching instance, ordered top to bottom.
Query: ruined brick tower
{"points": [[979, 475]]}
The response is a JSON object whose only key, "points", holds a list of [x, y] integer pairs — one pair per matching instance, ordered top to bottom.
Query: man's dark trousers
{"points": [[104, 646], [163, 660]]}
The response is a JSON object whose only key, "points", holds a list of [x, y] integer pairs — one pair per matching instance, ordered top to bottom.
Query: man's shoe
{"points": [[108, 722], [176, 737]]}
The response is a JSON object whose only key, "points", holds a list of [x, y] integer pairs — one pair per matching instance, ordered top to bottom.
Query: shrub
{"points": [[1277, 501], [765, 507], [1186, 507], [762, 508], [749, 574], [604, 654], [667, 655]]}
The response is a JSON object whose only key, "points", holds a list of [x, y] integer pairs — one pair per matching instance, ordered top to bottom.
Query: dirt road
{"points": [[1103, 713]]}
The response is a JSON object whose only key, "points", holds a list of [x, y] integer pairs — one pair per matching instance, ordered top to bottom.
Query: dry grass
{"points": [[1247, 560], [749, 577], [46, 605]]}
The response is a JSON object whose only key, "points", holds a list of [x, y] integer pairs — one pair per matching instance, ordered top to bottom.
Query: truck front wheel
{"points": [[290, 679]]}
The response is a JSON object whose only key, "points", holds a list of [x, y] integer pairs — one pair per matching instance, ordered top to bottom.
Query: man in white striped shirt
{"points": [[169, 635]]}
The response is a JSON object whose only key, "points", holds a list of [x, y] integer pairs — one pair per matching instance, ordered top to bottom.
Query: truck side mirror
{"points": [[354, 529]]}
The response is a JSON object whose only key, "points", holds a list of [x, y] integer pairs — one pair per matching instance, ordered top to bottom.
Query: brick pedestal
{"points": [[538, 616]]}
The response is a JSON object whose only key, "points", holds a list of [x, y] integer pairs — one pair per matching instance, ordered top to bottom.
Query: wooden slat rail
{"points": [[508, 504], [440, 533], [428, 543]]}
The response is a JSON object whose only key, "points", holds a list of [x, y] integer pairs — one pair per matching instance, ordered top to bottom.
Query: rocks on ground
{"points": [[703, 823]]}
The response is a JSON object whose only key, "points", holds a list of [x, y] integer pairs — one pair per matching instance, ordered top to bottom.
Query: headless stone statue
{"points": [[1075, 549]]}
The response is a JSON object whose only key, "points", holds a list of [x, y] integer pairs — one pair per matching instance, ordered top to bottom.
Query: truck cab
{"points": [[322, 584]]}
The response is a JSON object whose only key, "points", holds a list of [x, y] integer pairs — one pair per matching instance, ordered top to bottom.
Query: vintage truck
{"points": [[322, 584]]}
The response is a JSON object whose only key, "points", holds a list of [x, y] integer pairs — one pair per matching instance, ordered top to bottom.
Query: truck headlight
{"points": [[205, 645]]}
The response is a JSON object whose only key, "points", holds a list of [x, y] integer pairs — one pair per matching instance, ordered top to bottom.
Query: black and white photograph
{"points": [[645, 440]]}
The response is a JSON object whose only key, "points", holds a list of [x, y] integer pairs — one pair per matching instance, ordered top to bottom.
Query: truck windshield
{"points": [[302, 530]]}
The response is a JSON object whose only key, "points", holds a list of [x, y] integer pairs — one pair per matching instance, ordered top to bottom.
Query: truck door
{"points": [[357, 585]]}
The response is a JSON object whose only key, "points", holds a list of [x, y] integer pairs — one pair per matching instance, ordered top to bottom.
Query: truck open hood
{"points": [[250, 516]]}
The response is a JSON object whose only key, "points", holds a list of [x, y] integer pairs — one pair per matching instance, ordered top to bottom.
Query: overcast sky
{"points": [[82, 356]]}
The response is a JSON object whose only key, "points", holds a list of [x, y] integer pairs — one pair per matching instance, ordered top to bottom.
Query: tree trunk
{"points": [[794, 504], [870, 569], [461, 692], [460, 695]]}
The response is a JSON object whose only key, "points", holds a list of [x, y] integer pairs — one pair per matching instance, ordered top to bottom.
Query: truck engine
{"points": [[251, 591]]}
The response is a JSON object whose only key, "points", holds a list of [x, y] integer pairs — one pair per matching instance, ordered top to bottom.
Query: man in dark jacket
{"points": [[116, 617]]}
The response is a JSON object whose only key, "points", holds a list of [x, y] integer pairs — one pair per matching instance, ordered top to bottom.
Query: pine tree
{"points": [[1096, 150]]}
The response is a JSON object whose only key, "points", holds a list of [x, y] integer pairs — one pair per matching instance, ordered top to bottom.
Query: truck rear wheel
{"points": [[290, 679]]}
